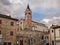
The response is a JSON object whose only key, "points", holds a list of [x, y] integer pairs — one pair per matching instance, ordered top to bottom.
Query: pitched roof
{"points": [[7, 17], [41, 24], [55, 26]]}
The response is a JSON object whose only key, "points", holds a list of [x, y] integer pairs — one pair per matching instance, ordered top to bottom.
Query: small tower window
{"points": [[30, 13]]}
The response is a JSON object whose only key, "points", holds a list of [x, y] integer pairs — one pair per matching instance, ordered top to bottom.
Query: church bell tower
{"points": [[28, 17]]}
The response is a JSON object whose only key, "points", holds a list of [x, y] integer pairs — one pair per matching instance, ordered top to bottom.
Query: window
{"points": [[30, 13], [0, 21], [12, 23], [21, 23], [20, 28], [52, 30], [48, 31], [0, 32], [11, 33], [42, 37], [46, 37], [29, 41], [21, 42], [52, 42], [47, 43]]}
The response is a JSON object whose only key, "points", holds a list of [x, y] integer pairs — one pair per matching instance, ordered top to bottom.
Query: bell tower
{"points": [[28, 16]]}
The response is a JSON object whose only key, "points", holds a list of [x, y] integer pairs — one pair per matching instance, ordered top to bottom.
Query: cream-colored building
{"points": [[55, 35]]}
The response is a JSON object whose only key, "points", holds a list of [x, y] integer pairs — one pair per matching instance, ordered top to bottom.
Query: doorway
{"points": [[21, 42], [47, 43]]}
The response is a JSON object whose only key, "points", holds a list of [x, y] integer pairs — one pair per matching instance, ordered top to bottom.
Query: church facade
{"points": [[25, 32]]}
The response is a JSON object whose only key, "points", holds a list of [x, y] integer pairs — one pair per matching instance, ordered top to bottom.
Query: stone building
{"points": [[33, 28], [7, 29], [26, 32], [55, 35]]}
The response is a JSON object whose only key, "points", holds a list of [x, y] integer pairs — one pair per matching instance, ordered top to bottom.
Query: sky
{"points": [[43, 11]]}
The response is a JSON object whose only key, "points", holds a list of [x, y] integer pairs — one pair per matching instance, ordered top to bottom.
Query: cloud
{"points": [[16, 1], [5, 2], [45, 3], [12, 7], [49, 8], [46, 20], [50, 21]]}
